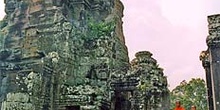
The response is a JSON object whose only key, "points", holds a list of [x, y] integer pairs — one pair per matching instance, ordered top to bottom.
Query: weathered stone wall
{"points": [[58, 54], [71, 54], [142, 87]]}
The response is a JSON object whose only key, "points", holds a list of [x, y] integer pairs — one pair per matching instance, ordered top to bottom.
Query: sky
{"points": [[173, 30]]}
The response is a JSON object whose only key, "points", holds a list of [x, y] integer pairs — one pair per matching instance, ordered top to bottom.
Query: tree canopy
{"points": [[191, 93]]}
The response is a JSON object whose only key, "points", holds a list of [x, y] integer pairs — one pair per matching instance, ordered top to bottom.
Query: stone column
{"points": [[213, 42], [204, 57]]}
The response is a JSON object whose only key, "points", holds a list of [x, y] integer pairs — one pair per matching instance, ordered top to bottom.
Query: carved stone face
{"points": [[10, 6]]}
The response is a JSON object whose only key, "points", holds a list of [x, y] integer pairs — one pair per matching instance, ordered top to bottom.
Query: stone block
{"points": [[17, 97]]}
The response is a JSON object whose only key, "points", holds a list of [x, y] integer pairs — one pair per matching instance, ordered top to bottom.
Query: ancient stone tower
{"points": [[68, 55], [211, 62], [151, 92]]}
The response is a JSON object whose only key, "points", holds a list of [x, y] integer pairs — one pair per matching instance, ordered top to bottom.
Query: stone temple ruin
{"points": [[71, 55], [211, 62]]}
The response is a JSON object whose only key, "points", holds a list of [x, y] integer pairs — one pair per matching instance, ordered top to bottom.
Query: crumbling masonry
{"points": [[71, 55]]}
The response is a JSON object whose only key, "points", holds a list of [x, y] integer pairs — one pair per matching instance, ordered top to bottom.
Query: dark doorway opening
{"points": [[119, 103], [72, 107]]}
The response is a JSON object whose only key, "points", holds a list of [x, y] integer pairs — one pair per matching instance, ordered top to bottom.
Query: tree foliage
{"points": [[191, 93]]}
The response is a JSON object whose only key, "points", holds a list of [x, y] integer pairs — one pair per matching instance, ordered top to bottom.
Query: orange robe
{"points": [[179, 108]]}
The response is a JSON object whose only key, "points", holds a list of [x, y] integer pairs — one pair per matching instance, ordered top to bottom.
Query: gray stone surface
{"points": [[68, 55], [205, 58], [211, 59], [152, 92]]}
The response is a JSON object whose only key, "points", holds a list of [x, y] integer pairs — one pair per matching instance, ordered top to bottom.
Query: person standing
{"points": [[178, 106], [193, 107]]}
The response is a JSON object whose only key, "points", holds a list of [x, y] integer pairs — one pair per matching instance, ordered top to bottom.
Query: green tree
{"points": [[191, 93]]}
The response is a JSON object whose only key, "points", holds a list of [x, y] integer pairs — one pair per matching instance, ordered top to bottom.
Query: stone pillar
{"points": [[213, 42], [204, 57]]}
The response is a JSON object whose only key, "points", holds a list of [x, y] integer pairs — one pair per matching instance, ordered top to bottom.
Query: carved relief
{"points": [[30, 47]]}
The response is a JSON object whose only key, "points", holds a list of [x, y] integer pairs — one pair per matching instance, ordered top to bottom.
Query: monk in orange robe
{"points": [[178, 106], [193, 107]]}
